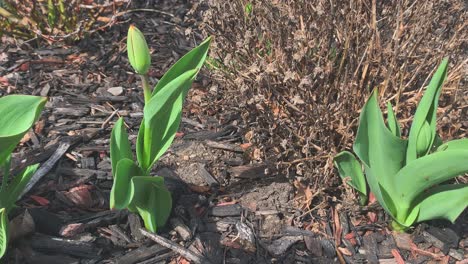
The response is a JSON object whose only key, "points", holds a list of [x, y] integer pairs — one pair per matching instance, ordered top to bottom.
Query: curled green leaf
{"points": [[18, 114], [423, 129], [424, 139], [119, 145], [351, 172], [3, 232]]}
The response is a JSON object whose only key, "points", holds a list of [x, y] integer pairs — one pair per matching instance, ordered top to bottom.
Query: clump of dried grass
{"points": [[299, 71]]}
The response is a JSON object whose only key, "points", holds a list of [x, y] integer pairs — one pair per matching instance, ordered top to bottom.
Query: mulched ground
{"points": [[231, 206]]}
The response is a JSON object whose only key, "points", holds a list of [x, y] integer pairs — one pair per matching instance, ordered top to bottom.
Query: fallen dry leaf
{"points": [[80, 195], [40, 200]]}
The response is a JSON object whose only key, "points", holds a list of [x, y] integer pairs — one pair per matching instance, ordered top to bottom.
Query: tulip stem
{"points": [[146, 87]]}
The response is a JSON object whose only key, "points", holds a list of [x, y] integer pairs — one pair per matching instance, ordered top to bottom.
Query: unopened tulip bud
{"points": [[138, 52]]}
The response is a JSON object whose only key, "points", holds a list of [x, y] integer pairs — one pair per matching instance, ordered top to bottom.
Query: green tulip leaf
{"points": [[193, 60], [18, 114], [162, 117], [392, 121], [423, 129], [437, 142], [460, 144], [119, 145], [379, 149], [5, 166], [349, 166], [425, 172], [16, 186], [120, 193], [380, 193], [152, 200], [442, 202], [3, 231]]}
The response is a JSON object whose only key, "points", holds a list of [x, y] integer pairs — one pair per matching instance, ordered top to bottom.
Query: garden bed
{"points": [[251, 168]]}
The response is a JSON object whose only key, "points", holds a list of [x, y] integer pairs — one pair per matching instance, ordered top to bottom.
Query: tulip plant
{"points": [[17, 115], [407, 175], [134, 188]]}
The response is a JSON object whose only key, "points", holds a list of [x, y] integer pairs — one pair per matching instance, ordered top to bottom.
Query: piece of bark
{"points": [[71, 111], [192, 122], [205, 135], [224, 146], [88, 163], [47, 166], [248, 171], [82, 173], [206, 175], [225, 210], [45, 222], [135, 224], [218, 225], [21, 226], [181, 229], [246, 236], [444, 239], [402, 240], [57, 245], [208, 245], [281, 245], [313, 245], [370, 245], [328, 248], [385, 248], [456, 254], [34, 257], [195, 258], [157, 259], [388, 261]]}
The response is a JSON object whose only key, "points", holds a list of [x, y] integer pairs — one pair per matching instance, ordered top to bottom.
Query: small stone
{"points": [[115, 90], [181, 229], [444, 239], [402, 240], [281, 245], [313, 245], [370, 245], [328, 248], [385, 248], [456, 254], [388, 261]]}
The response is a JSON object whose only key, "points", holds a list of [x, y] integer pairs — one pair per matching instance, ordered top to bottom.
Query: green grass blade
{"points": [[423, 129], [119, 145], [349, 166], [442, 202]]}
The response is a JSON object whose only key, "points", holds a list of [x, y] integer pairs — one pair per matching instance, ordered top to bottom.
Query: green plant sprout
{"points": [[17, 115], [407, 175], [134, 188]]}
